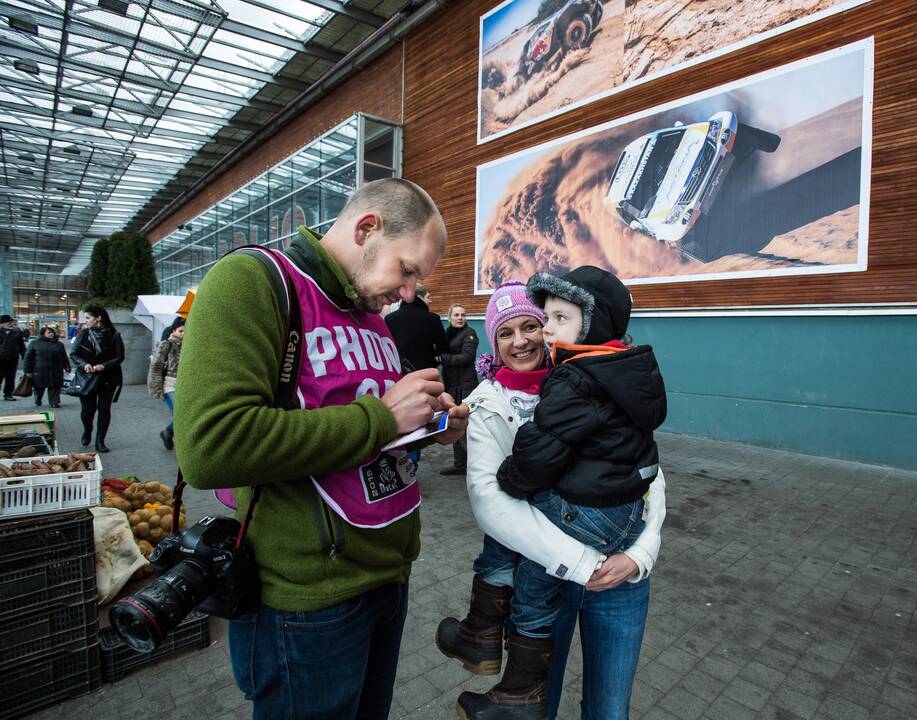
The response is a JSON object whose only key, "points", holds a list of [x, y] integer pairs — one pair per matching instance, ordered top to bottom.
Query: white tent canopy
{"points": [[156, 312]]}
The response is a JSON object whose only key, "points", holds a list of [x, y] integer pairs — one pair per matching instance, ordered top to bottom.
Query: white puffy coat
{"points": [[515, 523]]}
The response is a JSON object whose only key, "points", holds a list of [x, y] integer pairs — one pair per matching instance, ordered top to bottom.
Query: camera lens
{"points": [[146, 617]]}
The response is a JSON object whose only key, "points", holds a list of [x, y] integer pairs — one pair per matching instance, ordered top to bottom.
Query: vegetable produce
{"points": [[74, 462], [148, 506]]}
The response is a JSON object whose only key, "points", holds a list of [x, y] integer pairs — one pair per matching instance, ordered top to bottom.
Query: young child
{"points": [[586, 460]]}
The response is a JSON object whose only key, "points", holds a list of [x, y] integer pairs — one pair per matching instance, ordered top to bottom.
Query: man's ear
{"points": [[365, 225]]}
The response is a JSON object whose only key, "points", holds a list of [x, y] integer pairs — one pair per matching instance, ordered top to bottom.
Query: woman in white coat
{"points": [[609, 596]]}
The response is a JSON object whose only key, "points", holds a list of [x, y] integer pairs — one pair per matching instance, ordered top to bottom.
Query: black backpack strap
{"points": [[277, 280]]}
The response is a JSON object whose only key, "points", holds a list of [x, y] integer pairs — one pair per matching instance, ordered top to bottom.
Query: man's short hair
{"points": [[405, 207], [421, 291]]}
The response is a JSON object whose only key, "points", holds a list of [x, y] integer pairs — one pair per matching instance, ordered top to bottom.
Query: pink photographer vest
{"points": [[345, 356]]}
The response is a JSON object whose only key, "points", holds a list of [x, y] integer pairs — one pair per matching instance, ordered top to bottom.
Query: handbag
{"points": [[83, 384], [24, 386]]}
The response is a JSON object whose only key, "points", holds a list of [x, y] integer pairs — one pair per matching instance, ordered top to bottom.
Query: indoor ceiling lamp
{"points": [[115, 6], [23, 24], [27, 66], [82, 110], [73, 149]]}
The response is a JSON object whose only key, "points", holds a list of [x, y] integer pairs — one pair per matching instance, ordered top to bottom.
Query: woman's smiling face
{"points": [[520, 344]]}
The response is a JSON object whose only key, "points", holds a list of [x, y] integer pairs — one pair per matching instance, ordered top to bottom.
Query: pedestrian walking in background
{"points": [[167, 330], [418, 333], [12, 347], [98, 350], [46, 361], [163, 371], [459, 375]]}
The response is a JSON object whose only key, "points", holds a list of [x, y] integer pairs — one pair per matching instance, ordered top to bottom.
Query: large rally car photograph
{"points": [[570, 28], [539, 58], [765, 176], [666, 179]]}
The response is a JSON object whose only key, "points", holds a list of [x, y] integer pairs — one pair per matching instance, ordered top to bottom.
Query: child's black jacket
{"points": [[591, 439]]}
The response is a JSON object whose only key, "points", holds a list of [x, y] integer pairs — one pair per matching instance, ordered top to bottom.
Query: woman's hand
{"points": [[87, 368], [99, 368], [615, 570]]}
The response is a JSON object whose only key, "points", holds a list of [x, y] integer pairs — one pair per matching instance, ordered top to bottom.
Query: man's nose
{"points": [[408, 290]]}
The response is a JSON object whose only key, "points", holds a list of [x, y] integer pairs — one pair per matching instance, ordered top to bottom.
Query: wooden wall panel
{"points": [[441, 154]]}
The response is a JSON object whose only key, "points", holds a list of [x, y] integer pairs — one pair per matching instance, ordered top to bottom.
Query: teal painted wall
{"points": [[843, 386]]}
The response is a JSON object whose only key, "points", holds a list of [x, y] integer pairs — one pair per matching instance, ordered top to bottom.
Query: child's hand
{"points": [[615, 570]]}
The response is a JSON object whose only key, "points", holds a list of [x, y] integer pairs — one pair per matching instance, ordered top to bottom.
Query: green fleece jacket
{"points": [[228, 434]]}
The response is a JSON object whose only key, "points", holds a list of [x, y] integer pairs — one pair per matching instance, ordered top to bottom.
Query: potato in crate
{"points": [[50, 483]]}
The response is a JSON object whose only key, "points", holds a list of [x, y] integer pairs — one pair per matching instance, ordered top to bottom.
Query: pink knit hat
{"points": [[508, 301]]}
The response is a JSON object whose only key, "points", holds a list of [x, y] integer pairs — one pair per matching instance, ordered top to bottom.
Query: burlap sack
{"points": [[117, 555]]}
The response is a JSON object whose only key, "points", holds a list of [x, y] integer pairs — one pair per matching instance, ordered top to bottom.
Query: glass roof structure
{"points": [[110, 109]]}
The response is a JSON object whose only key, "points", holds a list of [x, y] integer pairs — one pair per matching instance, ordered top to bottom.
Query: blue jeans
{"points": [[169, 399], [536, 594], [611, 632], [330, 664]]}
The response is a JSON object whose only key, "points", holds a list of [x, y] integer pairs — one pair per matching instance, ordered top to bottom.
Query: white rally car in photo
{"points": [[666, 180]]}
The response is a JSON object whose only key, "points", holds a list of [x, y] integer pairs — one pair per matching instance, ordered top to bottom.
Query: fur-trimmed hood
{"points": [[603, 298]]}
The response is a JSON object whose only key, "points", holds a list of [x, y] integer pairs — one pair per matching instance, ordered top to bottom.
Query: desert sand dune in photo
{"points": [[664, 33]]}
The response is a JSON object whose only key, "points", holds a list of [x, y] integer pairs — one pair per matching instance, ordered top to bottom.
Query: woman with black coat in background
{"points": [[98, 350], [46, 360]]}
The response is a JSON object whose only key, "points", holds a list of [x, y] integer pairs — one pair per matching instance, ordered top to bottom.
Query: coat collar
{"points": [[310, 256]]}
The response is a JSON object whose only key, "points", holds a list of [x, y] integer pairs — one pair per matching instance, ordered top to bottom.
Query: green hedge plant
{"points": [[121, 268]]}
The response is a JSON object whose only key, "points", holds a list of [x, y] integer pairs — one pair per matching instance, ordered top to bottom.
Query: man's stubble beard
{"points": [[363, 302]]}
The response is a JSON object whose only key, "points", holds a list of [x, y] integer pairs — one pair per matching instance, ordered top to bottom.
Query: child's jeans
{"points": [[536, 599]]}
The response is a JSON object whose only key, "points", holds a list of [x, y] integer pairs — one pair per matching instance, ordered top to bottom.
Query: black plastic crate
{"points": [[43, 537], [28, 586], [47, 630], [118, 658], [65, 674]]}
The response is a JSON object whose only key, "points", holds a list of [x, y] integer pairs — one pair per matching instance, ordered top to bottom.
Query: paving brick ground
{"points": [[786, 588]]}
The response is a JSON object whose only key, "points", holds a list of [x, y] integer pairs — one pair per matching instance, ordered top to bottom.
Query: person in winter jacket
{"points": [[418, 333], [12, 347], [98, 350], [46, 361], [163, 371], [459, 375], [573, 402]]}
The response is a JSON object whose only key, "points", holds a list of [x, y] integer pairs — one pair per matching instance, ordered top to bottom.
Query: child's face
{"points": [[565, 321]]}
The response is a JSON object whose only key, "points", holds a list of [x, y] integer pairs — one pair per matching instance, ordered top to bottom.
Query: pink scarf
{"points": [[528, 381]]}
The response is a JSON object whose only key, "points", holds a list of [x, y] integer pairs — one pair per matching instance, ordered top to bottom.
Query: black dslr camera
{"points": [[202, 568]]}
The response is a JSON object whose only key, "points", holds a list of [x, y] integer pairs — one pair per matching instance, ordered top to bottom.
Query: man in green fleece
{"points": [[337, 525]]}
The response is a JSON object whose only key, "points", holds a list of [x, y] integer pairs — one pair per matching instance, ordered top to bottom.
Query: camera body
{"points": [[199, 567], [232, 574]]}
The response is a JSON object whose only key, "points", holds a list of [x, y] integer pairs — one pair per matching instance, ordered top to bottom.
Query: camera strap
{"points": [[288, 373]]}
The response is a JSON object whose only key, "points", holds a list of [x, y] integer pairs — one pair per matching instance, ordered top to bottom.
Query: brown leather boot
{"points": [[478, 639], [522, 694]]}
